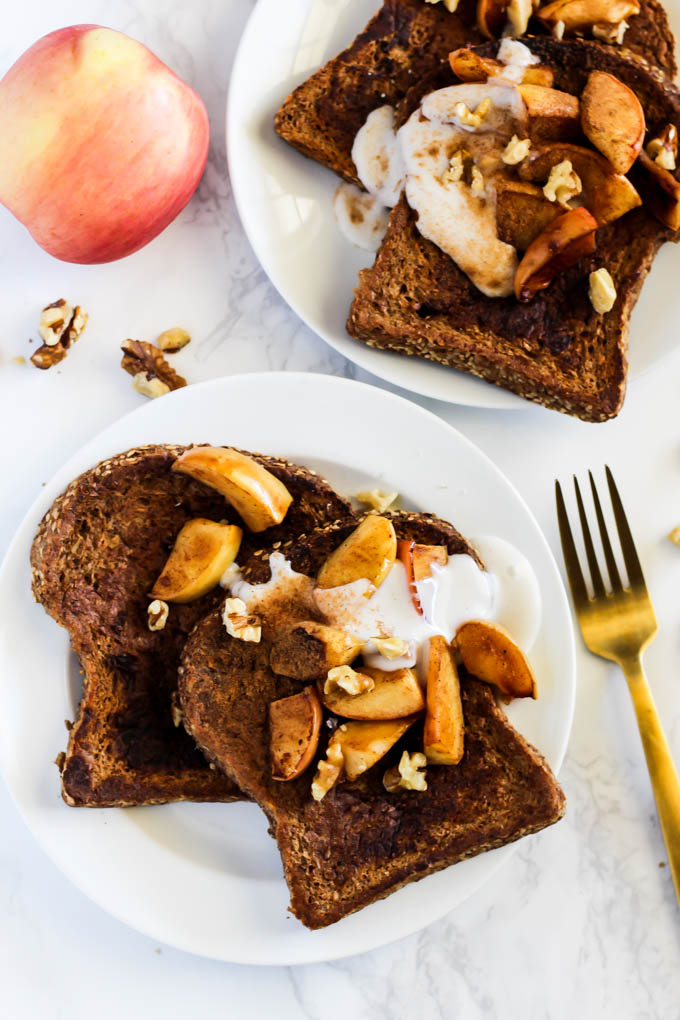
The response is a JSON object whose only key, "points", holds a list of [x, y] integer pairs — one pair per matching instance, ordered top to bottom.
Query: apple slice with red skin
{"points": [[581, 15], [492, 16], [613, 119], [660, 191], [568, 238], [418, 560], [489, 653], [294, 725], [444, 725]]}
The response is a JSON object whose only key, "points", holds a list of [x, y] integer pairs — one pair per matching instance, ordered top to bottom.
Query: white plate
{"points": [[285, 203], [207, 877]]}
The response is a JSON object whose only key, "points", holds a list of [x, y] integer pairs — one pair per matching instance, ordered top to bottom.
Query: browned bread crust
{"points": [[405, 41], [555, 350], [95, 557], [360, 843]]}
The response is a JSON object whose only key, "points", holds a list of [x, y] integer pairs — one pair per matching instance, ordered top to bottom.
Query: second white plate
{"points": [[285, 203], [207, 877]]}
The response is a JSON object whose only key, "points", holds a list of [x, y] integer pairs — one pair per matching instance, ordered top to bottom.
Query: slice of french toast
{"points": [[405, 41], [556, 349], [95, 557], [360, 843]]}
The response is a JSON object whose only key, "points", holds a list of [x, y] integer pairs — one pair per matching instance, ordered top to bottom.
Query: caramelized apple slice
{"points": [[581, 15], [491, 17], [470, 66], [553, 115], [613, 119], [660, 191], [606, 194], [522, 212], [568, 238], [255, 493], [202, 552], [368, 552], [405, 554], [424, 556], [307, 650], [490, 654], [395, 694], [294, 725], [444, 726], [365, 743]]}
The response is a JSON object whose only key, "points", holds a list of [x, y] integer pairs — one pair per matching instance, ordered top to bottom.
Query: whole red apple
{"points": [[102, 144]]}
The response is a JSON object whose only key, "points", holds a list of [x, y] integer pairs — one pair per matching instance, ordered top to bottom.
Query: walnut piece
{"points": [[451, 5], [610, 33], [469, 118], [664, 148], [516, 150], [563, 183], [477, 186], [601, 291], [59, 336], [172, 340], [143, 360], [377, 499], [157, 614], [239, 624], [391, 647], [349, 680], [328, 771], [409, 774]]}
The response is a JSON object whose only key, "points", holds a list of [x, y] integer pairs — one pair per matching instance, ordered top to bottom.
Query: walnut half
{"points": [[59, 327], [144, 361]]}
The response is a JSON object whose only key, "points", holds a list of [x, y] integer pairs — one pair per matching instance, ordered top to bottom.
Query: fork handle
{"points": [[662, 772]]}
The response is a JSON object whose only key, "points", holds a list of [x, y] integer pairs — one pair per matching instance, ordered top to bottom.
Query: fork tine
{"points": [[630, 556], [612, 568], [596, 576], [577, 584]]}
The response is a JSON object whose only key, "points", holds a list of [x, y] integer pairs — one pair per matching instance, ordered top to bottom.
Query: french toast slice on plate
{"points": [[405, 41], [555, 349], [95, 557], [360, 843]]}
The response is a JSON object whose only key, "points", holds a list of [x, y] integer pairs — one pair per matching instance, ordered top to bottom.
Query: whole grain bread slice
{"points": [[405, 41], [555, 350], [95, 557], [361, 843]]}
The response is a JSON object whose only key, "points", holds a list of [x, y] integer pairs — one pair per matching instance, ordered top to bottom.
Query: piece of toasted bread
{"points": [[405, 41], [555, 350], [94, 559], [361, 843]]}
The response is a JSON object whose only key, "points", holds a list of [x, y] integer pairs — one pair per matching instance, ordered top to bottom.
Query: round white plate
{"points": [[285, 203], [207, 877]]}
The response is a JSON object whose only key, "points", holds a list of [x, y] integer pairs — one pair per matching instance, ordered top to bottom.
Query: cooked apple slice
{"points": [[581, 15], [491, 17], [470, 66], [553, 115], [613, 119], [660, 191], [606, 194], [522, 212], [568, 238], [255, 493], [202, 552], [368, 552], [405, 554], [424, 556], [307, 650], [489, 653], [395, 694], [294, 725], [444, 726], [365, 743]]}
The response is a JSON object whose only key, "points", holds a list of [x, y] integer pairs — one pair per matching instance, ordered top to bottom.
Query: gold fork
{"points": [[618, 624]]}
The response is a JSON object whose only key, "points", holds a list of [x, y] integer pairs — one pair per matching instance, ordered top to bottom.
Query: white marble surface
{"points": [[583, 921]]}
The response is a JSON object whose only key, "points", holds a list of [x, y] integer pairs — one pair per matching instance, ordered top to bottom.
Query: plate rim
{"points": [[20, 544]]}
